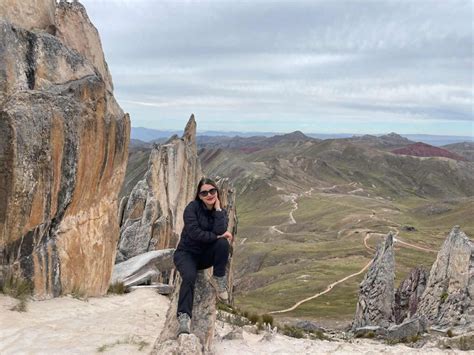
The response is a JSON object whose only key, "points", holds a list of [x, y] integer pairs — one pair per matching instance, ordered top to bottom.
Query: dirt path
{"points": [[292, 198], [295, 207], [394, 228], [275, 229], [413, 246], [329, 288]]}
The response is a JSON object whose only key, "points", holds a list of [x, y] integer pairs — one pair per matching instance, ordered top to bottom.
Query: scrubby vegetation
{"points": [[16, 287], [117, 288], [132, 340]]}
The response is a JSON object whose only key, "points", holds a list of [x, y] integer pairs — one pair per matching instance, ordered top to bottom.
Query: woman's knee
{"points": [[222, 245]]}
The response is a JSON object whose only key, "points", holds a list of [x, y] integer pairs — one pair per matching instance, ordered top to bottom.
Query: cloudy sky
{"points": [[335, 66]]}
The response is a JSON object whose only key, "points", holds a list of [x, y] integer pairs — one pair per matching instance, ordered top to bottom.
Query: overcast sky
{"points": [[316, 66]]}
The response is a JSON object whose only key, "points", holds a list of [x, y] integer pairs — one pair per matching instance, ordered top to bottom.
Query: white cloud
{"points": [[344, 60]]}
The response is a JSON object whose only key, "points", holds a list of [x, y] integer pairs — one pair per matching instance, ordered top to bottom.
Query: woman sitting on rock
{"points": [[204, 243]]}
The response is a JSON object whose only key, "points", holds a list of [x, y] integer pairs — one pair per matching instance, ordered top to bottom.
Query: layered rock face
{"points": [[63, 149], [152, 216], [408, 294], [376, 296], [449, 296]]}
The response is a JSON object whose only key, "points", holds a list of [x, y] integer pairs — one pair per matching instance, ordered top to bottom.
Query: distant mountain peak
{"points": [[295, 135], [395, 137]]}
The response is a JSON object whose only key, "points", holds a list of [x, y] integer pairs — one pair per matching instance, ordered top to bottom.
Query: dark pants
{"points": [[216, 255]]}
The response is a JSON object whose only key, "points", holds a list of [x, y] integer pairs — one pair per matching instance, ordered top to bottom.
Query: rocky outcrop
{"points": [[74, 28], [63, 150], [227, 197], [152, 215], [143, 268], [376, 290], [408, 294], [448, 299], [443, 301], [204, 315], [186, 344]]}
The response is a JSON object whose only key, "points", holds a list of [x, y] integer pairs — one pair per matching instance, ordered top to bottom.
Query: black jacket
{"points": [[201, 227]]}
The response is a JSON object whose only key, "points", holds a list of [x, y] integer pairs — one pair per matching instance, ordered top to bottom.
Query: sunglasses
{"points": [[205, 192]]}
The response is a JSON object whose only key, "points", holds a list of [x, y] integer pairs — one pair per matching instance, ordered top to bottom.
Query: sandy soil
{"points": [[122, 324], [70, 326], [281, 344]]}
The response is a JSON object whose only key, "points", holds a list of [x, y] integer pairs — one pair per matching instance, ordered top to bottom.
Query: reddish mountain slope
{"points": [[425, 150]]}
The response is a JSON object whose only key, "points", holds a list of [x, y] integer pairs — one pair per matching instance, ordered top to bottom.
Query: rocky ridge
{"points": [[58, 207], [441, 302]]}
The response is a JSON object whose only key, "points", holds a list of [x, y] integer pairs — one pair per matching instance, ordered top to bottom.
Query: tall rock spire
{"points": [[152, 215], [376, 290], [448, 299]]}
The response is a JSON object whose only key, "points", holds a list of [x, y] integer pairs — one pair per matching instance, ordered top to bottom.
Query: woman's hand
{"points": [[217, 204], [228, 236]]}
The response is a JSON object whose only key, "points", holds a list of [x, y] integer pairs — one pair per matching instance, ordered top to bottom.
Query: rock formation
{"points": [[63, 149], [227, 196], [152, 216], [143, 268], [408, 294], [376, 296], [448, 299], [445, 302], [187, 344]]}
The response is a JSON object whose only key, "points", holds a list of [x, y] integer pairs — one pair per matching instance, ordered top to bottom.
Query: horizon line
{"points": [[471, 137]]}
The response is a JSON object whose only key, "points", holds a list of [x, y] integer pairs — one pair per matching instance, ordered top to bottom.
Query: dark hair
{"points": [[206, 181]]}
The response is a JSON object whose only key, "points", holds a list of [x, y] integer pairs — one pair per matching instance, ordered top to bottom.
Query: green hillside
{"points": [[345, 190]]}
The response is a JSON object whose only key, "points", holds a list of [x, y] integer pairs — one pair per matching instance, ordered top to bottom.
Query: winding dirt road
{"points": [[293, 198], [329, 288]]}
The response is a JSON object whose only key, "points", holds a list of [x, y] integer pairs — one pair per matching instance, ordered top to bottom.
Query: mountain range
{"points": [[150, 134], [311, 211]]}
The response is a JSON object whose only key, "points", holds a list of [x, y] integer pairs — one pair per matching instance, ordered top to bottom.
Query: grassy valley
{"points": [[311, 213]]}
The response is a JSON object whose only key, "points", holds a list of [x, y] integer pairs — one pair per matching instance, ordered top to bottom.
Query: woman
{"points": [[204, 243]]}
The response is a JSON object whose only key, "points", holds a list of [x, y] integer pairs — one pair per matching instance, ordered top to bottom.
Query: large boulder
{"points": [[63, 152], [143, 267], [376, 294], [448, 299], [406, 331]]}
